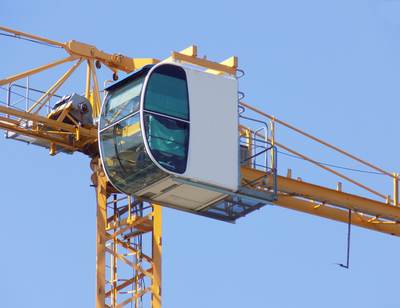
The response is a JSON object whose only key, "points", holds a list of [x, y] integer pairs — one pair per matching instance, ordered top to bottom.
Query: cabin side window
{"points": [[122, 102], [166, 117]]}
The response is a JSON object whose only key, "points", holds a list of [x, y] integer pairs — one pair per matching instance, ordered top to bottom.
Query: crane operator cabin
{"points": [[169, 134]]}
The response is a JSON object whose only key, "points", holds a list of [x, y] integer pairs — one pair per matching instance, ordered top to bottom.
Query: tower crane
{"points": [[149, 149]]}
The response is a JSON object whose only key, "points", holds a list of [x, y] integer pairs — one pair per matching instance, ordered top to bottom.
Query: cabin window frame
{"points": [[144, 112]]}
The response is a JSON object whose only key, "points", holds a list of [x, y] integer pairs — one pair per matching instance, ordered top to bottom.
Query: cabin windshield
{"points": [[166, 117], [123, 144], [123, 153]]}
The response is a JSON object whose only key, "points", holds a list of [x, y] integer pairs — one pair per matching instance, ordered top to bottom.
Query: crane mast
{"points": [[129, 239]]}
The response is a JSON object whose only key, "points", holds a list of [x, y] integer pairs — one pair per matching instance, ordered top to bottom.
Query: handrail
{"points": [[257, 132], [331, 170], [390, 174], [341, 175]]}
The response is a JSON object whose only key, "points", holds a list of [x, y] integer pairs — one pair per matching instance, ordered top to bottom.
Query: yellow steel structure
{"points": [[129, 238], [127, 272]]}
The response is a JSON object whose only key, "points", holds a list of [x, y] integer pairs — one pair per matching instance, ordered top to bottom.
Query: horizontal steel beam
{"points": [[49, 122], [39, 135], [323, 194], [322, 210]]}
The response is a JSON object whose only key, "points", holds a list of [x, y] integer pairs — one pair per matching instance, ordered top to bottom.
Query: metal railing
{"points": [[22, 98], [25, 100], [274, 121], [260, 148]]}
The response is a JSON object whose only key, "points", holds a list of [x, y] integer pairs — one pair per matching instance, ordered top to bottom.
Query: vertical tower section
{"points": [[129, 249]]}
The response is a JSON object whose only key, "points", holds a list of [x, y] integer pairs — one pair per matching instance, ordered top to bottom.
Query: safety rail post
{"points": [[9, 86], [27, 94], [9, 95], [8, 105], [245, 134], [254, 143], [273, 150], [275, 170], [395, 189]]}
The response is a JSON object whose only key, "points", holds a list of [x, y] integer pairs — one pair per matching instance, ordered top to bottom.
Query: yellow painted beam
{"points": [[82, 50], [190, 51], [114, 61], [230, 62], [203, 63], [35, 70], [95, 99], [35, 108], [91, 133], [51, 139], [323, 194], [322, 210], [101, 238], [157, 254]]}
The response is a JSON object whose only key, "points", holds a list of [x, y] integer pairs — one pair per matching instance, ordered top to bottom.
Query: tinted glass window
{"points": [[166, 92], [122, 102], [166, 117], [168, 140], [127, 164]]}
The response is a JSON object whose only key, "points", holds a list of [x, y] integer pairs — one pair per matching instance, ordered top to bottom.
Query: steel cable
{"points": [[29, 40]]}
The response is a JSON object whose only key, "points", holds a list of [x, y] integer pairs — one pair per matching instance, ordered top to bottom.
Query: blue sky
{"points": [[329, 67]]}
